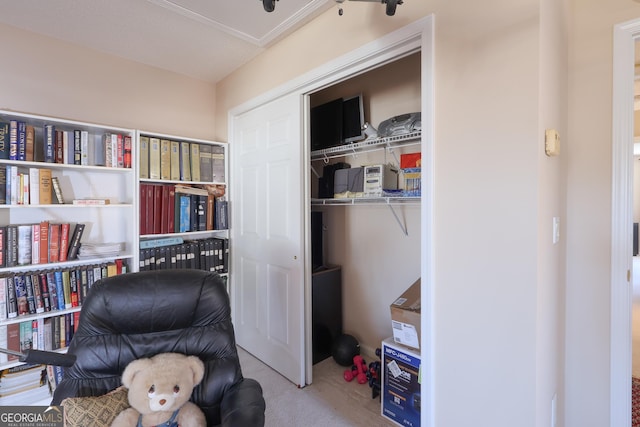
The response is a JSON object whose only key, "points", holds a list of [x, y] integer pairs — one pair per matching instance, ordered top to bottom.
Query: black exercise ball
{"points": [[345, 347]]}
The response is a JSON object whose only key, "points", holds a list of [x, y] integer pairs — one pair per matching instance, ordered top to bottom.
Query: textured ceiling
{"points": [[204, 39]]}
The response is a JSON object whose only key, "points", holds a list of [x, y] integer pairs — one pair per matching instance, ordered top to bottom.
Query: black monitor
{"points": [[352, 119], [326, 125]]}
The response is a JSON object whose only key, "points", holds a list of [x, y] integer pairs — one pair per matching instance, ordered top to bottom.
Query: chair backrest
{"points": [[138, 315]]}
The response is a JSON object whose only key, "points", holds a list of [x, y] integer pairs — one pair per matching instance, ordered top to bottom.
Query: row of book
{"points": [[20, 140], [180, 160], [32, 186], [177, 208], [42, 243], [210, 254], [43, 291], [47, 334], [26, 383]]}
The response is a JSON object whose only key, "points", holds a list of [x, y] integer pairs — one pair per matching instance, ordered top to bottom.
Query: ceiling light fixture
{"points": [[270, 5]]}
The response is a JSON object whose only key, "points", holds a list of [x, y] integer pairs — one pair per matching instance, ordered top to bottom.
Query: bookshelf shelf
{"points": [[373, 144], [88, 161], [61, 166], [185, 180], [367, 200], [69, 206], [65, 264], [44, 315]]}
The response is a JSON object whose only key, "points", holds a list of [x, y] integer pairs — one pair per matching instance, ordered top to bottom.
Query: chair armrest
{"points": [[243, 405]]}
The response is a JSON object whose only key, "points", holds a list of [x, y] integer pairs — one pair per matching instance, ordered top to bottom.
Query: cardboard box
{"points": [[405, 317], [400, 399]]}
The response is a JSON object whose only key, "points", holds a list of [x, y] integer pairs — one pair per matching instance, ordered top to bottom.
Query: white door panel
{"points": [[266, 260]]}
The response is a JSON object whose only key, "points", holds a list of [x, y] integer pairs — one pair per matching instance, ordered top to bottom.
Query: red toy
{"points": [[359, 370]]}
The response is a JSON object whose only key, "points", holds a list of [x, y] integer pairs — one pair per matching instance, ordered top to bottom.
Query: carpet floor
{"points": [[329, 401], [635, 402]]}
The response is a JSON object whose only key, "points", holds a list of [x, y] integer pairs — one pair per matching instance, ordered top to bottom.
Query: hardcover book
{"points": [[4, 140], [13, 140], [22, 141], [49, 141], [30, 143], [58, 146], [77, 147], [84, 148], [98, 151], [127, 151], [144, 157], [154, 158], [165, 159], [175, 160], [195, 161], [185, 162], [217, 163], [206, 171], [44, 187], [57, 190], [34, 192], [156, 220], [64, 241], [44, 242], [54, 242], [74, 242], [24, 244], [3, 249], [51, 285], [66, 288], [21, 294], [12, 302]]}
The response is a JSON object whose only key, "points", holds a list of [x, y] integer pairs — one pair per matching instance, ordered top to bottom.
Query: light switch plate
{"points": [[551, 142]]}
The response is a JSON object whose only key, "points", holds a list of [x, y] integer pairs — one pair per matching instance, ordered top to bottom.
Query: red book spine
{"points": [[143, 208], [157, 209], [164, 225], [64, 241], [44, 242], [54, 242]]}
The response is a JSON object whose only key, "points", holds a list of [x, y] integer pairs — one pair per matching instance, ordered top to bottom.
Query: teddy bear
{"points": [[159, 389]]}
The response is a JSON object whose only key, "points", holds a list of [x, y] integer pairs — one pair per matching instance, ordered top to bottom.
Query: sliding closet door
{"points": [[267, 270]]}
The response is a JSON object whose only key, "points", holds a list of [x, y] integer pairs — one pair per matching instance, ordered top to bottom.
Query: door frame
{"points": [[417, 36], [624, 36]]}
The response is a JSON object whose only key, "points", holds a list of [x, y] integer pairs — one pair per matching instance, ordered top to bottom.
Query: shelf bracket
{"points": [[393, 153], [314, 172], [403, 227]]}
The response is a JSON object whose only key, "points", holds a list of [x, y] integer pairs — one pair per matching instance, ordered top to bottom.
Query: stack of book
{"points": [[100, 250], [23, 383]]}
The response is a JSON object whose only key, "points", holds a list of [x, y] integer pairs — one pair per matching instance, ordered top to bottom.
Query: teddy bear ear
{"points": [[197, 367], [132, 369]]}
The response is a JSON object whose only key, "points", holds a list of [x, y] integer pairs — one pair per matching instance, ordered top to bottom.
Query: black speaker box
{"points": [[326, 182], [326, 306]]}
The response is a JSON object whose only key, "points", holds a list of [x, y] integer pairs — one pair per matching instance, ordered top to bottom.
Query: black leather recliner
{"points": [[138, 315]]}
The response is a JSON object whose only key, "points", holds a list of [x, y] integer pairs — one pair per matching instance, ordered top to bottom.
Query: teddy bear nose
{"points": [[163, 401]]}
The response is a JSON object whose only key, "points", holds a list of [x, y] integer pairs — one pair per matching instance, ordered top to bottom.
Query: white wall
{"points": [[40, 75], [588, 225], [378, 261], [487, 324]]}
